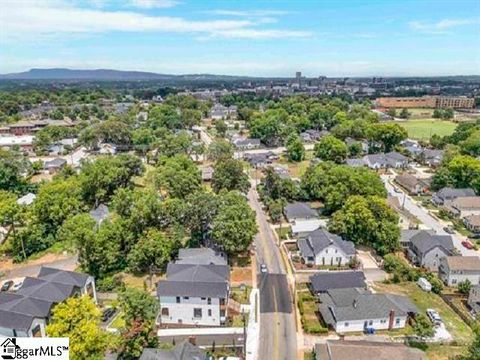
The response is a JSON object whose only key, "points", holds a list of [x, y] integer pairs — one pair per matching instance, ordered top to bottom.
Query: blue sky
{"points": [[250, 37]]}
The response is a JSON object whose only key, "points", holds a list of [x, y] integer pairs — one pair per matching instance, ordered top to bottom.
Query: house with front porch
{"points": [[426, 249], [456, 269]]}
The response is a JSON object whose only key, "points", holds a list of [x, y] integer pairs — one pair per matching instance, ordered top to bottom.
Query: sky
{"points": [[247, 37]]}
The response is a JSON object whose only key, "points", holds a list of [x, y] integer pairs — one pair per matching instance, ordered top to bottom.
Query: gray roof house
{"points": [[245, 144], [432, 157], [389, 160], [355, 162], [55, 165], [413, 184], [448, 194], [299, 211], [472, 223], [407, 234], [323, 248], [426, 250], [201, 256], [322, 282], [194, 294], [354, 309], [366, 350], [182, 351]]}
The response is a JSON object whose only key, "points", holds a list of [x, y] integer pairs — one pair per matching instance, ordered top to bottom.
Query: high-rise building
{"points": [[298, 78]]}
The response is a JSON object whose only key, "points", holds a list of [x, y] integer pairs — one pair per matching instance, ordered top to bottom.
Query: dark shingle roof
{"points": [[55, 163], [448, 193], [299, 210], [320, 239], [424, 241], [201, 256], [202, 273], [62, 276], [337, 280], [193, 289], [46, 290], [19, 304], [11, 320], [183, 351]]}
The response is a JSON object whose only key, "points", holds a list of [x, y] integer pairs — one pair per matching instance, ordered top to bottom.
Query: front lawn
{"points": [[241, 296], [423, 300], [310, 316]]}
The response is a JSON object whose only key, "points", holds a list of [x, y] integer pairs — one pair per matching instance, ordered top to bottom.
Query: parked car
{"points": [[397, 190], [449, 230], [467, 244], [263, 268], [6, 285], [17, 286], [107, 314], [434, 317]]}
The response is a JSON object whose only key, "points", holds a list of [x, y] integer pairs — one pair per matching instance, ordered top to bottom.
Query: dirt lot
{"points": [[241, 275]]}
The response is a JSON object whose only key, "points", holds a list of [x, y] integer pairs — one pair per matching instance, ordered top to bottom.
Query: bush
{"points": [[110, 283], [315, 329]]}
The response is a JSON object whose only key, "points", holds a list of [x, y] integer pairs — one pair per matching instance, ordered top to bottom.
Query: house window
{"points": [[454, 281], [186, 298], [178, 299], [203, 299], [209, 301], [165, 312], [209, 312], [197, 313], [383, 321], [397, 321], [370, 323], [346, 324], [36, 332]]}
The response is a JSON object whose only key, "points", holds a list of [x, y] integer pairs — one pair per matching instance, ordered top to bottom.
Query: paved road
{"points": [[427, 219], [69, 263], [278, 338], [208, 340]]}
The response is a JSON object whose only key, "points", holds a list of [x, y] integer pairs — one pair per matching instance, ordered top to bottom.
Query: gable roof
{"points": [[55, 163], [451, 193], [466, 202], [299, 210], [320, 239], [423, 242], [201, 256], [469, 263], [194, 272], [63, 276], [337, 280], [46, 290], [19, 304], [11, 320], [366, 350], [182, 351]]}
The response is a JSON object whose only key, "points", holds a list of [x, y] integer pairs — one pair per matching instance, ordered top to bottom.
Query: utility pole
{"points": [[244, 336]]}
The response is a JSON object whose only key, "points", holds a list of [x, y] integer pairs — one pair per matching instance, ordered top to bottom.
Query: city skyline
{"points": [[266, 39]]}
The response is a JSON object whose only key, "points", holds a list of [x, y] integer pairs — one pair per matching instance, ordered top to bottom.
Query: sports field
{"points": [[424, 129]]}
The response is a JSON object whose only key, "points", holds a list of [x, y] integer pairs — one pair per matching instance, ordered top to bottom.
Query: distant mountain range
{"points": [[107, 74]]}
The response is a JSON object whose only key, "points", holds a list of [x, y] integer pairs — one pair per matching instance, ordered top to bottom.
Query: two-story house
{"points": [[446, 194], [464, 206], [302, 218], [323, 248], [426, 250], [456, 269], [194, 293], [474, 300]]}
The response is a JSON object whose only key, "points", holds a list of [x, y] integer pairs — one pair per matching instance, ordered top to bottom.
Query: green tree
{"points": [[392, 112], [404, 114], [437, 114], [221, 127], [390, 135], [471, 145], [295, 148], [329, 148], [220, 150], [229, 175], [178, 176], [202, 209], [275, 210], [368, 221], [235, 226], [77, 230], [152, 248], [464, 286], [138, 305], [78, 319], [423, 327], [473, 350]]}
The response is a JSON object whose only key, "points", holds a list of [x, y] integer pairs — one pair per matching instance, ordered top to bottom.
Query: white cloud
{"points": [[151, 4], [260, 13], [29, 20], [442, 26]]}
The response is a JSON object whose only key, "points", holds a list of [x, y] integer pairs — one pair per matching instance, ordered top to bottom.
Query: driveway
{"points": [[423, 216], [68, 263], [370, 267], [441, 334]]}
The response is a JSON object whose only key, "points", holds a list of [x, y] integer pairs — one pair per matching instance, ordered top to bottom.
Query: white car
{"points": [[263, 268], [17, 286], [434, 316]]}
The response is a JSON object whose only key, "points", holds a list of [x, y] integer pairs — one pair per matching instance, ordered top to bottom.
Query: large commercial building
{"points": [[432, 102]]}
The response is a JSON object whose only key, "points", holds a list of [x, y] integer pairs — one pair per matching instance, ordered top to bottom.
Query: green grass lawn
{"points": [[424, 129], [241, 296], [423, 300], [118, 322]]}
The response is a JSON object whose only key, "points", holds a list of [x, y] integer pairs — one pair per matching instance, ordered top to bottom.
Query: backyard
{"points": [[423, 300]]}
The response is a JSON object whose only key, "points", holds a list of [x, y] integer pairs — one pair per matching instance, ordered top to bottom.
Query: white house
{"points": [[464, 206], [326, 249], [456, 269], [194, 294], [354, 309]]}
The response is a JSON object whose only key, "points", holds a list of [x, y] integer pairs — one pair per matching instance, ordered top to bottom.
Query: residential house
{"points": [[312, 135], [24, 142], [362, 143], [246, 144], [412, 146], [107, 149], [432, 158], [258, 160], [389, 160], [356, 162], [55, 165], [207, 173], [412, 184], [448, 194], [27, 199], [463, 206], [302, 218], [472, 223], [407, 234], [323, 248], [426, 250], [201, 256], [456, 269], [325, 281], [194, 293], [474, 299], [354, 309], [26, 312], [184, 350], [366, 350]]}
